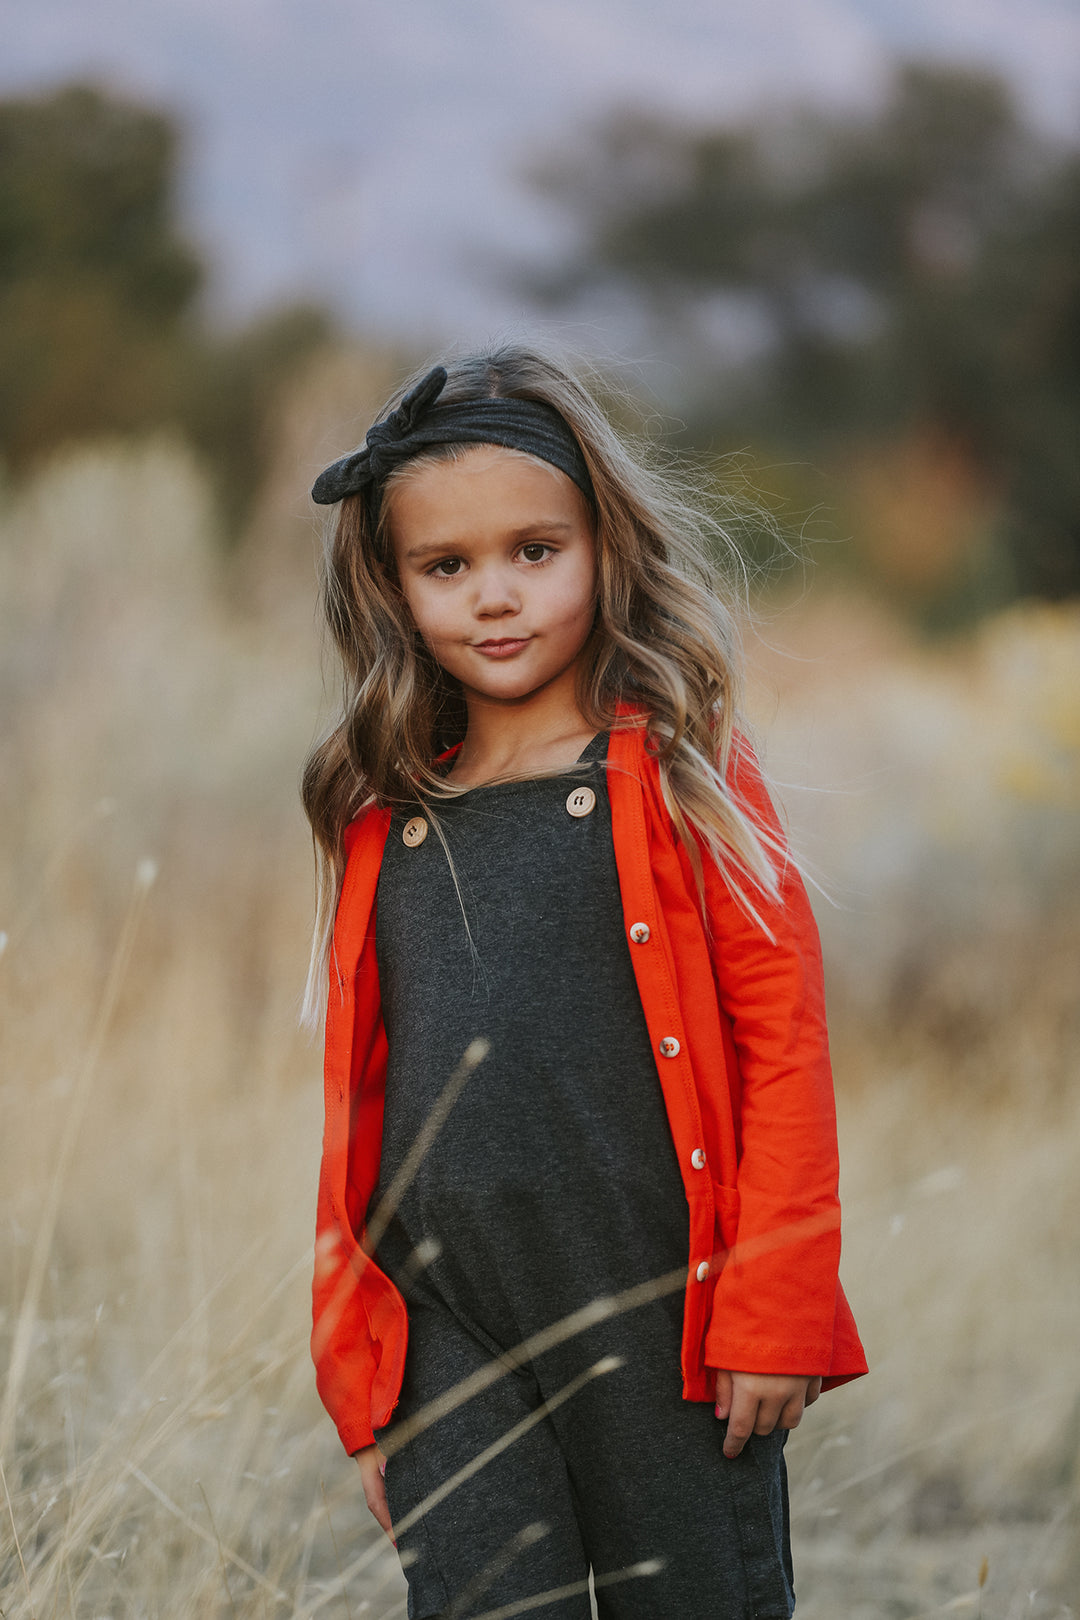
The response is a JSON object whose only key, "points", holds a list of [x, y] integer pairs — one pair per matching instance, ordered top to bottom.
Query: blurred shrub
{"points": [[94, 277], [833, 287], [100, 328], [234, 388], [938, 809]]}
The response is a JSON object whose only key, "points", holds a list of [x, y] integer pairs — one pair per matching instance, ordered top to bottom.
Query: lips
{"points": [[502, 649]]}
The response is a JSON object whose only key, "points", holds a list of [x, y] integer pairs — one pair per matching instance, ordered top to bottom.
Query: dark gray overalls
{"points": [[553, 1182]]}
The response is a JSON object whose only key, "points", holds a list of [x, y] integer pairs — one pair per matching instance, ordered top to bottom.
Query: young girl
{"points": [[578, 1230]]}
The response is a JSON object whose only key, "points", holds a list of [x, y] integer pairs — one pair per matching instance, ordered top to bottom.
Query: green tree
{"points": [[912, 272], [95, 280], [100, 320]]}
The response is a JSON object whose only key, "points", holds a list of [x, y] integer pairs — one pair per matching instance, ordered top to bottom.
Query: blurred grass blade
{"points": [[43, 1238], [488, 1455], [209, 1536]]}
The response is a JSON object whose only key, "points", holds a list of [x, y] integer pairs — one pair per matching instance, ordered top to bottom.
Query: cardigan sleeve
{"points": [[777, 1298], [359, 1327], [341, 1341]]}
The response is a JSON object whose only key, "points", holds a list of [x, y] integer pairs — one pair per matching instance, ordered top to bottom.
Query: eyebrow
{"points": [[445, 548]]}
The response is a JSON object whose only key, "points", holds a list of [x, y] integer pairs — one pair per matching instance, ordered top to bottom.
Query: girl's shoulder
{"points": [[630, 744], [373, 816], [370, 817], [364, 839]]}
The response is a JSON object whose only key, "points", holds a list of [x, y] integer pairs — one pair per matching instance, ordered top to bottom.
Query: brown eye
{"points": [[535, 551], [449, 566]]}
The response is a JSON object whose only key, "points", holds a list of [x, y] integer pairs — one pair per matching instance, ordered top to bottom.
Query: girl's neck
{"points": [[519, 740]]}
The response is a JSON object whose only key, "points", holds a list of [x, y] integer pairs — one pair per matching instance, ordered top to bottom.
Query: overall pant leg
{"points": [[653, 1488], [508, 1530]]}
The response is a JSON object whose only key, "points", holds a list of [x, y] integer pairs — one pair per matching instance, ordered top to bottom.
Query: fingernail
{"points": [[382, 1468]]}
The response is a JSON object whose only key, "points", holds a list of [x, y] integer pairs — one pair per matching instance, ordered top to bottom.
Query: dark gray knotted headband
{"points": [[516, 424]]}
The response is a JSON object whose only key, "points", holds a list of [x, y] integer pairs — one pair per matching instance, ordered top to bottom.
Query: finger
{"points": [[813, 1391], [723, 1394], [768, 1415], [791, 1415], [741, 1421], [372, 1466], [375, 1496]]}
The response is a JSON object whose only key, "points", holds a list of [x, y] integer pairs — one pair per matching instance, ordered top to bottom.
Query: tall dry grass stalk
{"points": [[164, 1453]]}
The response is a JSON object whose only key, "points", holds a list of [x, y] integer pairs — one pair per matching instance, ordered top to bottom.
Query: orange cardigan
{"points": [[737, 1022]]}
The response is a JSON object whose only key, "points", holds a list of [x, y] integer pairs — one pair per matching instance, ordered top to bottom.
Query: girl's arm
{"points": [[777, 1297]]}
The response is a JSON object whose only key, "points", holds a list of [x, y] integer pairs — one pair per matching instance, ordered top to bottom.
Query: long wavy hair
{"points": [[665, 639]]}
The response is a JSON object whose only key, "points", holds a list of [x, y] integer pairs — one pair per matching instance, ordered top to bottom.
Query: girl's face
{"points": [[497, 563]]}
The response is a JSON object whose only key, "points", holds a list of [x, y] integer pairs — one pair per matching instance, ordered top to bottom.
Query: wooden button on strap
{"points": [[582, 802], [414, 832]]}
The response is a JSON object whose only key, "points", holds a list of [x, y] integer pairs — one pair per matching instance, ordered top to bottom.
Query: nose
{"points": [[496, 592]]}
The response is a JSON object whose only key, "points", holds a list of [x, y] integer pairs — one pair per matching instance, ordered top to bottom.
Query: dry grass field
{"points": [[164, 1453]]}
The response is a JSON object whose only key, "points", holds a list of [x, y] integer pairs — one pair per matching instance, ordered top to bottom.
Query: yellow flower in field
{"points": [[1062, 717], [1031, 779]]}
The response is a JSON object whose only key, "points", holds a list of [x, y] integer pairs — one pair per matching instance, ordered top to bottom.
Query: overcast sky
{"points": [[367, 150]]}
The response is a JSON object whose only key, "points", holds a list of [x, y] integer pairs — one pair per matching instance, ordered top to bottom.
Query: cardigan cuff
{"points": [[356, 1436]]}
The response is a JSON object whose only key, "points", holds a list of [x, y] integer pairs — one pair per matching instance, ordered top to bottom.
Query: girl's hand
{"points": [[755, 1403], [372, 1468]]}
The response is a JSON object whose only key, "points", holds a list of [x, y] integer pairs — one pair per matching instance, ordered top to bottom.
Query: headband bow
{"points": [[516, 424], [384, 446]]}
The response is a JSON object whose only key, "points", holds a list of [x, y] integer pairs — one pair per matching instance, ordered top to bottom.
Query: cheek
{"points": [[582, 598], [421, 609], [437, 630]]}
